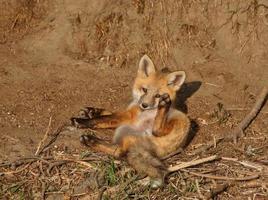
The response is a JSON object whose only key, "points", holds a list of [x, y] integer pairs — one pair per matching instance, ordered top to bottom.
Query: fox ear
{"points": [[146, 67], [176, 79]]}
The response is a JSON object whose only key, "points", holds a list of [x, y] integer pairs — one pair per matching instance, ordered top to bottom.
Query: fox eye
{"points": [[144, 89], [157, 96]]}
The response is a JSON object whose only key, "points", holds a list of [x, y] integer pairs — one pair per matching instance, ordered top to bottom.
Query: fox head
{"points": [[149, 84]]}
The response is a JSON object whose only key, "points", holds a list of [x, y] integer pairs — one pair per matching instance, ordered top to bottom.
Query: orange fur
{"points": [[151, 127]]}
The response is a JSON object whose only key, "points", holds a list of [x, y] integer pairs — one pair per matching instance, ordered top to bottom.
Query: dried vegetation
{"points": [[122, 31]]}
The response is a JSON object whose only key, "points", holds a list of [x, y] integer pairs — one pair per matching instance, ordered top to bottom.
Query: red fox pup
{"points": [[148, 129]]}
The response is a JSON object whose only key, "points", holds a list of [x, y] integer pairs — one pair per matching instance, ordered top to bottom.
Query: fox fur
{"points": [[150, 128]]}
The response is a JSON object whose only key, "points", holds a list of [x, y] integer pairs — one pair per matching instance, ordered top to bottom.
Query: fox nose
{"points": [[144, 105]]}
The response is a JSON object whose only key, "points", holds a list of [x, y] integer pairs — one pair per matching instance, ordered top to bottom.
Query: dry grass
{"points": [[18, 17], [165, 26], [160, 28], [85, 175], [90, 176]]}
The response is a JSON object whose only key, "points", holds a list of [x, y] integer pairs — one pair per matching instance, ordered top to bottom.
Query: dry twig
{"points": [[239, 130], [44, 138], [53, 138], [180, 150], [192, 163], [249, 164], [16, 171], [246, 178], [217, 190], [101, 192]]}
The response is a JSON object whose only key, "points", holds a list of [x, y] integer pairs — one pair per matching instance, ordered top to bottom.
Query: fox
{"points": [[150, 128]]}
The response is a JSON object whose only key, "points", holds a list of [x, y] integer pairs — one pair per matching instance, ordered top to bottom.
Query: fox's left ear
{"points": [[176, 79]]}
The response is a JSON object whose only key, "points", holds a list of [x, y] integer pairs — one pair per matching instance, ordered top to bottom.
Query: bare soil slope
{"points": [[58, 56]]}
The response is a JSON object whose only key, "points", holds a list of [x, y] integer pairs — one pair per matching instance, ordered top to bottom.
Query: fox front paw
{"points": [[164, 101], [82, 122]]}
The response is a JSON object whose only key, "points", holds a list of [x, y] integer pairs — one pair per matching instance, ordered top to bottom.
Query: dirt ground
{"points": [[58, 56]]}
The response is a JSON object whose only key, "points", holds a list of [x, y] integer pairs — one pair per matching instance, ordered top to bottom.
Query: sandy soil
{"points": [[58, 56]]}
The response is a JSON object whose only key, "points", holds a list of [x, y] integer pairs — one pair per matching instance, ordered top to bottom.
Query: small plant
{"points": [[220, 114], [85, 154], [110, 175], [191, 187], [15, 188]]}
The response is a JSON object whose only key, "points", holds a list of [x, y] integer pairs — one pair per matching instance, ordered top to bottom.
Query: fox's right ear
{"points": [[146, 67]]}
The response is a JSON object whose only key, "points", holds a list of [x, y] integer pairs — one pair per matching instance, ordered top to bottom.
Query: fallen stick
{"points": [[243, 109], [252, 115], [239, 130], [44, 138], [53, 138], [207, 146], [180, 150], [66, 161], [81, 162], [16, 163], [192, 163], [55, 164], [187, 164], [249, 164], [16, 171], [246, 178], [254, 183], [198, 189], [43, 190], [216, 190], [101, 192], [79, 194]]}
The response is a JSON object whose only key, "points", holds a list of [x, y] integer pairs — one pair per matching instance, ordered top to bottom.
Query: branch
{"points": [[239, 130], [44, 138], [53, 138], [180, 150], [192, 163], [246, 178], [217, 190]]}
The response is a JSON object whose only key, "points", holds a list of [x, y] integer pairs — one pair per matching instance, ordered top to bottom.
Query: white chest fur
{"points": [[145, 121]]}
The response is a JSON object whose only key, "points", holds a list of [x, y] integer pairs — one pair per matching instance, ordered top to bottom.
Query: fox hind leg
{"points": [[99, 145], [137, 150]]}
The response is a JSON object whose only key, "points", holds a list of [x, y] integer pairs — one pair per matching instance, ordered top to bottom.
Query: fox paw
{"points": [[164, 101], [90, 112], [80, 122], [89, 140], [153, 183], [156, 183]]}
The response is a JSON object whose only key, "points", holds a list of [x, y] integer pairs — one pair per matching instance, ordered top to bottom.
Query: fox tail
{"points": [[140, 154]]}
